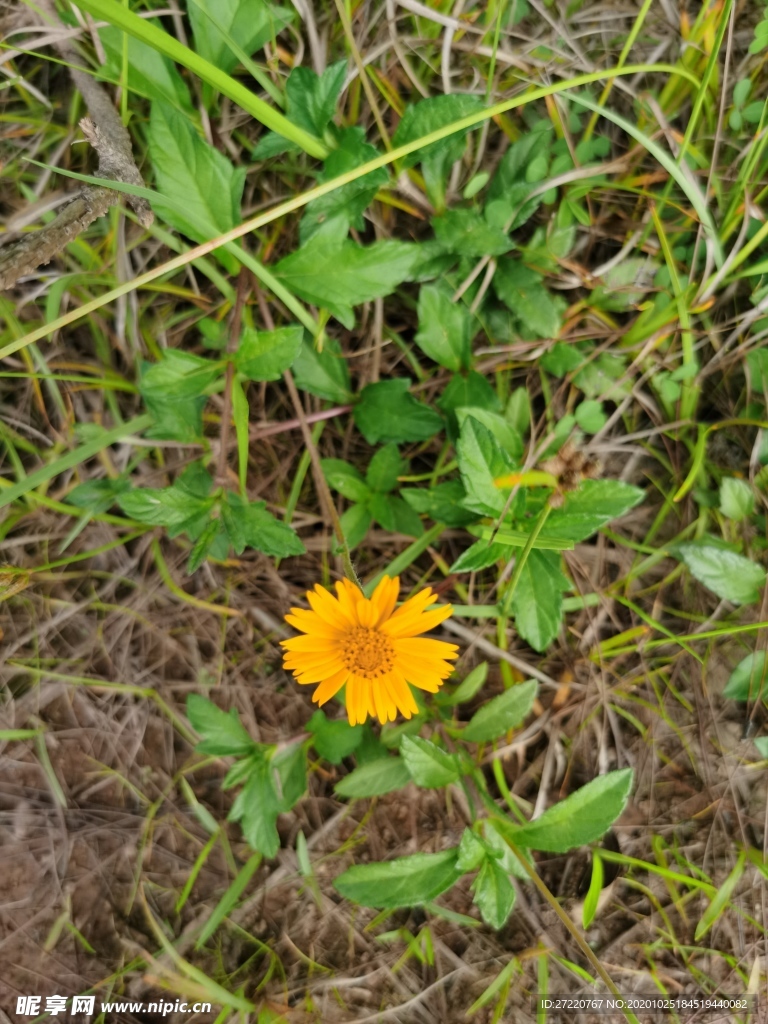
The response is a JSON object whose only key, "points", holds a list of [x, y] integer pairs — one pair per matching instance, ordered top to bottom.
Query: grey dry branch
{"points": [[108, 136]]}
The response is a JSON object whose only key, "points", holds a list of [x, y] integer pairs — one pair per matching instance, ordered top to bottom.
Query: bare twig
{"points": [[106, 133]]}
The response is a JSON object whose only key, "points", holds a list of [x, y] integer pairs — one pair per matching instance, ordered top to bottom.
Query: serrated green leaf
{"points": [[251, 23], [312, 98], [467, 233], [536, 308], [445, 327], [266, 355], [325, 373], [388, 412], [482, 461], [345, 479], [443, 503], [596, 503], [173, 507], [395, 515], [261, 530], [480, 555], [730, 576], [537, 603], [502, 713], [223, 733], [334, 739], [430, 767], [257, 807], [581, 818], [472, 851], [404, 882], [493, 893]]}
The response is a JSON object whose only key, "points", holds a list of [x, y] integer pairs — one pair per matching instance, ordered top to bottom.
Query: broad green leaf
{"points": [[251, 23], [150, 74], [312, 98], [187, 169], [349, 201], [507, 205], [467, 233], [337, 275], [521, 290], [445, 328], [265, 355], [562, 358], [325, 373], [178, 375], [470, 389], [388, 412], [591, 416], [499, 426], [482, 461], [384, 469], [345, 479], [97, 495], [737, 500], [443, 503], [596, 503], [173, 507], [395, 515], [355, 523], [260, 529], [204, 544], [480, 555], [729, 575], [537, 603], [748, 679], [502, 713], [223, 733], [334, 739], [761, 742], [430, 767], [289, 773], [384, 775], [257, 807], [581, 818], [501, 849], [472, 851], [404, 882], [493, 893]]}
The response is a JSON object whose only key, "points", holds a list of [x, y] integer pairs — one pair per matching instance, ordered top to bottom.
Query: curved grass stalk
{"points": [[298, 202]]}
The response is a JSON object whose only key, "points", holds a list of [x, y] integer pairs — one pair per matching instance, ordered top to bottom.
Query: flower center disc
{"points": [[368, 653]]}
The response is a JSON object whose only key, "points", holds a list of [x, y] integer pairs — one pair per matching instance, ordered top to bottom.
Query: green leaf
{"points": [[251, 23], [150, 74], [311, 98], [427, 116], [271, 145], [189, 171], [349, 201], [507, 205], [467, 233], [337, 275], [625, 284], [522, 292], [445, 328], [265, 355], [562, 358], [325, 373], [178, 375], [471, 389], [387, 412], [591, 416], [499, 426], [482, 461], [384, 469], [345, 479], [97, 495], [737, 500], [443, 503], [596, 503], [173, 507], [395, 515], [355, 523], [261, 531], [203, 545], [480, 555], [729, 575], [537, 603], [748, 679], [471, 685], [501, 714], [223, 733], [334, 739], [761, 742], [430, 767], [289, 772], [384, 775], [257, 807], [581, 818], [495, 841], [472, 851], [404, 882], [494, 894], [592, 898], [721, 899]]}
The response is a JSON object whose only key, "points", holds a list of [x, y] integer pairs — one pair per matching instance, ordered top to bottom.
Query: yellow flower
{"points": [[369, 646]]}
